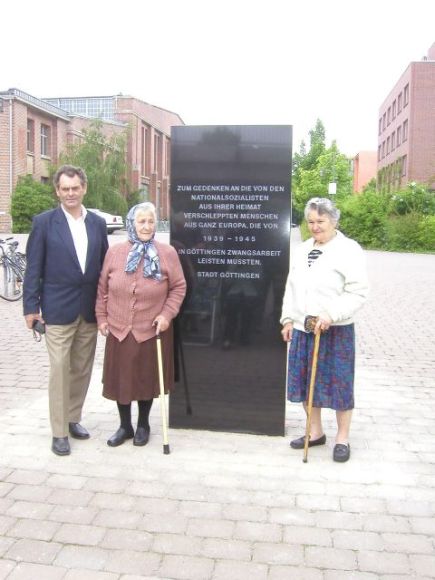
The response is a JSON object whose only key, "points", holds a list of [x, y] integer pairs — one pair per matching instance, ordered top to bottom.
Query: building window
{"points": [[406, 95], [399, 103], [394, 109], [384, 116], [389, 116], [380, 126], [405, 130], [399, 135], [30, 136], [45, 140], [393, 140], [388, 145], [383, 149], [156, 152], [379, 153], [167, 156], [143, 157], [404, 164]]}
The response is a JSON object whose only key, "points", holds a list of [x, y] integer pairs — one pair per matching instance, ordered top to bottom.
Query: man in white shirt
{"points": [[65, 252]]}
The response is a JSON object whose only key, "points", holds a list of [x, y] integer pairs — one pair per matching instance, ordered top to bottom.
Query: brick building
{"points": [[406, 128], [33, 133], [364, 169]]}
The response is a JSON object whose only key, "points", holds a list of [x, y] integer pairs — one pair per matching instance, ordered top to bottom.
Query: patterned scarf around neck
{"points": [[151, 262]]}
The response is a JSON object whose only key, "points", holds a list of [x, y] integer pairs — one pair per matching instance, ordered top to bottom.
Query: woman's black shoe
{"points": [[120, 436], [141, 437], [299, 443], [341, 452]]}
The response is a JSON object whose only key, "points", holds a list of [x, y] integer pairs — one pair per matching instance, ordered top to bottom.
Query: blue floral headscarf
{"points": [[151, 262]]}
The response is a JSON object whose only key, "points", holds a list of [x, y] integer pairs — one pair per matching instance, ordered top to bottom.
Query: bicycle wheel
{"points": [[20, 260], [11, 281]]}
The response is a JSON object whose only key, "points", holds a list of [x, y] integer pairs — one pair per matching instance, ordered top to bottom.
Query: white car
{"points": [[113, 222]]}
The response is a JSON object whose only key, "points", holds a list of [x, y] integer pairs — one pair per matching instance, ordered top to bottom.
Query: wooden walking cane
{"points": [[310, 323], [166, 449]]}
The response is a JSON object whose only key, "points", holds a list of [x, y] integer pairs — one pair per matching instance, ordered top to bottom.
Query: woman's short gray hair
{"points": [[323, 206]]}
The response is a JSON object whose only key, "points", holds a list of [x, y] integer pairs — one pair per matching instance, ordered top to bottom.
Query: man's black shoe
{"points": [[78, 432], [120, 436], [141, 437], [60, 446]]}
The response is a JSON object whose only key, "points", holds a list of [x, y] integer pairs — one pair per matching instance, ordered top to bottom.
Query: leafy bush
{"points": [[30, 198], [415, 198], [364, 218], [402, 233], [426, 233]]}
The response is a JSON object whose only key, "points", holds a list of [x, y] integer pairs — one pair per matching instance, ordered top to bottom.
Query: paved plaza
{"points": [[226, 506]]}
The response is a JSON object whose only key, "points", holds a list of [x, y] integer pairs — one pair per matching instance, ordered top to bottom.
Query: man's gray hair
{"points": [[323, 206]]}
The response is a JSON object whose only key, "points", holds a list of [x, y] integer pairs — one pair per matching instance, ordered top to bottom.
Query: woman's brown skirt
{"points": [[130, 371]]}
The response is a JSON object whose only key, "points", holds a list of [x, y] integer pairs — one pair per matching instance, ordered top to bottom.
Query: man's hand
{"points": [[30, 318]]}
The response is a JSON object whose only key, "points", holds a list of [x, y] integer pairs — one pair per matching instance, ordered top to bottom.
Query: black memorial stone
{"points": [[230, 223]]}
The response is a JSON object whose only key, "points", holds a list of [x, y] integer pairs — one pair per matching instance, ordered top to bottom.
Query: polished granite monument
{"points": [[230, 223]]}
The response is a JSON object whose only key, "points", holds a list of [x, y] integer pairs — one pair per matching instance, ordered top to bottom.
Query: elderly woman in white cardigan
{"points": [[328, 280]]}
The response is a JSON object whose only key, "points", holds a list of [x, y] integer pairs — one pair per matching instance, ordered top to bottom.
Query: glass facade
{"points": [[94, 107]]}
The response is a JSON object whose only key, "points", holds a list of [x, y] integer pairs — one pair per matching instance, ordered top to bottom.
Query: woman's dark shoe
{"points": [[120, 436], [141, 437], [299, 443], [60, 446], [341, 452]]}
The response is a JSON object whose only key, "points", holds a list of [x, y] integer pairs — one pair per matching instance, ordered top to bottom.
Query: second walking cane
{"points": [[310, 323], [166, 449]]}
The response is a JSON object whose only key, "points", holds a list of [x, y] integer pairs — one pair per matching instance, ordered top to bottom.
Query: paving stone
{"points": [[117, 519], [209, 528], [33, 529], [259, 532], [79, 534], [307, 536], [133, 540], [356, 540], [221, 549], [36, 551], [278, 554], [91, 558], [330, 558], [129, 562], [383, 563], [5, 568], [25, 571], [239, 571], [93, 575]]}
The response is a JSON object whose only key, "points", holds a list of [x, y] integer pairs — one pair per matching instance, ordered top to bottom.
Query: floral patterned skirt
{"points": [[335, 368]]}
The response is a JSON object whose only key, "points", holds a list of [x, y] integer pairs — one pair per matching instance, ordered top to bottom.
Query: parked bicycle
{"points": [[12, 268]]}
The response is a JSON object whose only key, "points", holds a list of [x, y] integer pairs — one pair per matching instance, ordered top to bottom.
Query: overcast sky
{"points": [[223, 61]]}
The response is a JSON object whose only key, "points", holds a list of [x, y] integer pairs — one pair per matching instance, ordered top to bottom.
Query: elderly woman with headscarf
{"points": [[140, 291]]}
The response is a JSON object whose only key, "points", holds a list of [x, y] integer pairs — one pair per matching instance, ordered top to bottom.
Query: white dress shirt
{"points": [[79, 236]]}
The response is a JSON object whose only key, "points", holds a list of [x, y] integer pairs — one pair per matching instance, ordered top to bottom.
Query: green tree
{"points": [[104, 160], [314, 169], [29, 198]]}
